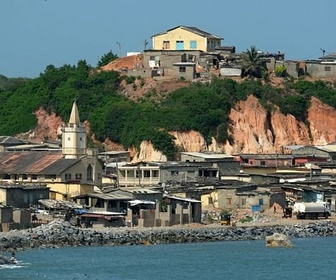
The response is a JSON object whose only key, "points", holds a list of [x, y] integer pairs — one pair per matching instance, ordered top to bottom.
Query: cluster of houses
{"points": [[190, 53], [112, 190]]}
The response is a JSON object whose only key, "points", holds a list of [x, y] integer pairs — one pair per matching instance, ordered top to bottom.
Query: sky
{"points": [[38, 33]]}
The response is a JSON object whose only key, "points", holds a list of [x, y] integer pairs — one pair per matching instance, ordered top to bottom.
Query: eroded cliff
{"points": [[253, 128]]}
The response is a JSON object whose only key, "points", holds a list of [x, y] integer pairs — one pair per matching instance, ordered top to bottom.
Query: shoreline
{"points": [[58, 234]]}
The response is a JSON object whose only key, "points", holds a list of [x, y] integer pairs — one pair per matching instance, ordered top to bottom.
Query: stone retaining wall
{"points": [[60, 234]]}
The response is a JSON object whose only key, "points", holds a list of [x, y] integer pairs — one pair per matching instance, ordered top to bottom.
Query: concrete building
{"points": [[185, 38]]}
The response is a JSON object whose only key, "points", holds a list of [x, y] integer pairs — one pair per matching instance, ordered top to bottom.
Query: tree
{"points": [[107, 58], [253, 64]]}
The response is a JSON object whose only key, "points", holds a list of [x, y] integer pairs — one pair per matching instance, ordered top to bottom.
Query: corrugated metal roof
{"points": [[193, 30], [9, 140], [207, 156], [267, 156], [33, 162], [114, 195]]}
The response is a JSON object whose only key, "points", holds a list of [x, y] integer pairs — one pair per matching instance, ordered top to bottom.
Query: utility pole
{"points": [[119, 45]]}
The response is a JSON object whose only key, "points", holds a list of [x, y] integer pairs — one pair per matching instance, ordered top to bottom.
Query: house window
{"points": [[193, 44], [166, 45], [327, 68], [182, 69], [263, 163], [89, 173], [147, 173], [155, 173], [174, 173], [130, 174], [34, 176], [51, 176], [67, 176], [79, 176], [24, 177], [210, 200], [229, 201], [243, 201], [261, 201]]}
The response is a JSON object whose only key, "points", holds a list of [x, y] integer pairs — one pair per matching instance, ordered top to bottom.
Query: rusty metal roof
{"points": [[34, 162]]}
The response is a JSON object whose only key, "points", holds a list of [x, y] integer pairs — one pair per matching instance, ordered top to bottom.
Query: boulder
{"points": [[278, 240], [4, 260]]}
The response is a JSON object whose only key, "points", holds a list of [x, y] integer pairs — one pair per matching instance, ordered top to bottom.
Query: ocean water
{"points": [[310, 258]]}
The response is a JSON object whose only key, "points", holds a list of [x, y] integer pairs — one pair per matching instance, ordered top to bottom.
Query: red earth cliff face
{"points": [[253, 129]]}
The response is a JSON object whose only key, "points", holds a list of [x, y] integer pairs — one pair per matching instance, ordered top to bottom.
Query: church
{"points": [[67, 172]]}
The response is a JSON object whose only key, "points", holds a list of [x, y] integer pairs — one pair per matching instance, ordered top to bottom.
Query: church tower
{"points": [[74, 136]]}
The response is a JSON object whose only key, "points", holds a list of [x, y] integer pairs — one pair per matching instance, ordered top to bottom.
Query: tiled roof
{"points": [[33, 162]]}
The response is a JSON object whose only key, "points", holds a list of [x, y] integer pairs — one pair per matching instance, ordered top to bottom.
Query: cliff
{"points": [[253, 128]]}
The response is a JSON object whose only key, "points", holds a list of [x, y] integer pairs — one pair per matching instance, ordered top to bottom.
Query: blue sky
{"points": [[37, 33]]}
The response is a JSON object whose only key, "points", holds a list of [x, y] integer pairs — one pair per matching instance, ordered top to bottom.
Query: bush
{"points": [[280, 71]]}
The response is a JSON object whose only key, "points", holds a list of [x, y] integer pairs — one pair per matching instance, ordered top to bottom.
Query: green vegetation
{"points": [[253, 64], [201, 107]]}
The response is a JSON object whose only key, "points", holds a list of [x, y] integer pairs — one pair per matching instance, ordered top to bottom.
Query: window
{"points": [[193, 44], [166, 45], [327, 68], [182, 69], [263, 163], [89, 173], [147, 173], [155, 173], [174, 173], [34, 176], [51, 176], [67, 176], [79, 176], [24, 177], [210, 200], [229, 201], [243, 201], [261, 201]]}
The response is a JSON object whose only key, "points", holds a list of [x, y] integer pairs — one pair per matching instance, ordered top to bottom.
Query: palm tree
{"points": [[252, 64]]}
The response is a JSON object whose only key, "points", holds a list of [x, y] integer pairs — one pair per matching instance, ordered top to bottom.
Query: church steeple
{"points": [[74, 116], [73, 136]]}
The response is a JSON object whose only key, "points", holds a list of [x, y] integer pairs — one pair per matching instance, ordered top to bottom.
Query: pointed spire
{"points": [[74, 116]]}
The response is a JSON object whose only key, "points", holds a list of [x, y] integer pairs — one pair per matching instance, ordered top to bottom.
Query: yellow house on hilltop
{"points": [[185, 38]]}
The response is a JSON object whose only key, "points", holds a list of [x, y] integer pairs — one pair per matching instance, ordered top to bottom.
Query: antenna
{"points": [[145, 43], [323, 51]]}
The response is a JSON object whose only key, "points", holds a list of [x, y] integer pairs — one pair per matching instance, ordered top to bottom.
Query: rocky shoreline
{"points": [[58, 234]]}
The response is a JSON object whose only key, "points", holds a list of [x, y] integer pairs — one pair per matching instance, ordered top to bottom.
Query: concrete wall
{"points": [[166, 59], [321, 70], [64, 191], [6, 215], [22, 217]]}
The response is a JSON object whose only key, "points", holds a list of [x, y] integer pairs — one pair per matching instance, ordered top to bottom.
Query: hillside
{"points": [[155, 118], [251, 127]]}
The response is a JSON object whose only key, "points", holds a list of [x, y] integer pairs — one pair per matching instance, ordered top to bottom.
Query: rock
{"points": [[278, 240], [4, 260]]}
